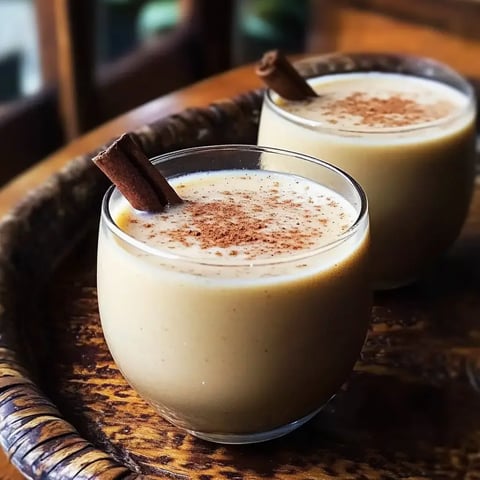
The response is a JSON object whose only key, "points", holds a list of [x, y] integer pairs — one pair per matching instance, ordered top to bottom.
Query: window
{"points": [[19, 58]]}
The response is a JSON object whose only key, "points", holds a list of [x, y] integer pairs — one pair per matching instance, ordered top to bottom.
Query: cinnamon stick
{"points": [[282, 77], [125, 163]]}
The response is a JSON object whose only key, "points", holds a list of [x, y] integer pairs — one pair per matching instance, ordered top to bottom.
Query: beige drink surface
{"points": [[375, 102], [408, 141], [243, 216], [255, 311]]}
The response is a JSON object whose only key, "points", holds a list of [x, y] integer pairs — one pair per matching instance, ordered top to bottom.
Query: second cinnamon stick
{"points": [[282, 77]]}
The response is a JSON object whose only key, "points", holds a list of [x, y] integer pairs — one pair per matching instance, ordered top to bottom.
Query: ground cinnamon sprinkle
{"points": [[391, 111], [252, 223], [225, 225]]}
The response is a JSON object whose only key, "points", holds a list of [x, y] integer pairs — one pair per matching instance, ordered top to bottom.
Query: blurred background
{"points": [[123, 25], [69, 65]]}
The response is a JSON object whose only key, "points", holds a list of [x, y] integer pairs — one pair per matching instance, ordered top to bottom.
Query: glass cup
{"points": [[418, 176], [235, 350]]}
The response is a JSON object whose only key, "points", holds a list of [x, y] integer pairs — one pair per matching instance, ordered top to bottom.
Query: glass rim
{"points": [[467, 90], [106, 215]]}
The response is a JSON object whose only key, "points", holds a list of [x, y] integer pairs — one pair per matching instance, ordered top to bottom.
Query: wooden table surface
{"points": [[200, 94]]}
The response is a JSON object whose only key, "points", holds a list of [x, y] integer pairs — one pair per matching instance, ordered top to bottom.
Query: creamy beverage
{"points": [[409, 142], [241, 311]]}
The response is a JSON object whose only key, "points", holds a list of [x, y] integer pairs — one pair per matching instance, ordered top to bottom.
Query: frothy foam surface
{"points": [[377, 101], [236, 215]]}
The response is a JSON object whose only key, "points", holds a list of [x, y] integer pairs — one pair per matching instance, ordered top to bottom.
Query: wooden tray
{"points": [[411, 409]]}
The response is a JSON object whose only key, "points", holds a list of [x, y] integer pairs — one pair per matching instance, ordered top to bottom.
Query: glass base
{"points": [[246, 438]]}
